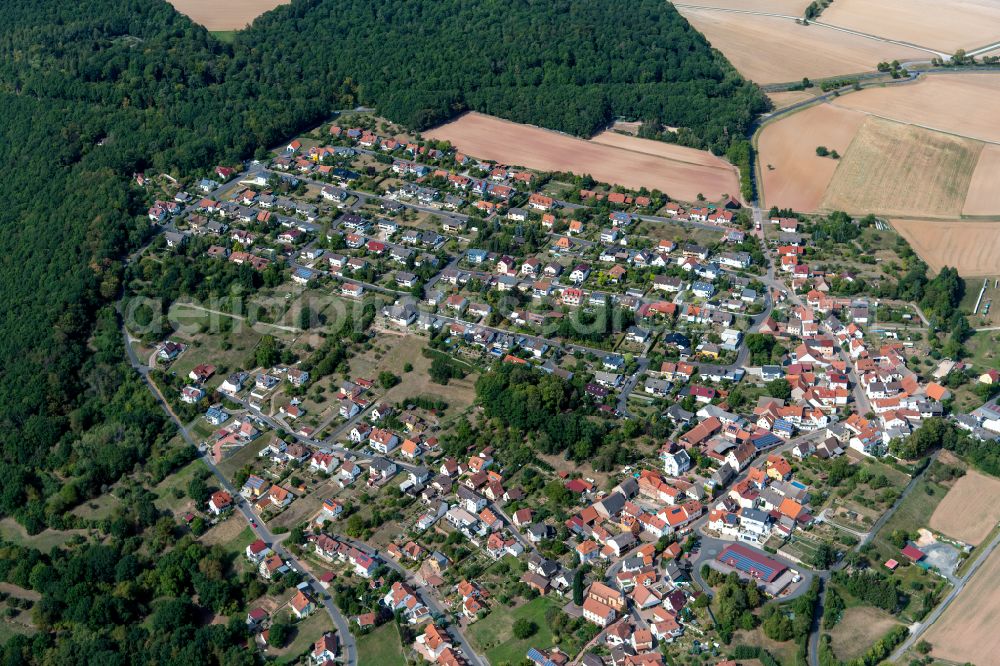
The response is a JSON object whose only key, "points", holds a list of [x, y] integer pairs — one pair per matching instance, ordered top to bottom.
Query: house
{"points": [[382, 440], [675, 463], [382, 468], [219, 502], [257, 551], [271, 566], [607, 595], [302, 604], [599, 613], [325, 649]]}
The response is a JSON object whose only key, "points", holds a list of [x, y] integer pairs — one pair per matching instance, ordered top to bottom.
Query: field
{"points": [[226, 14], [946, 26], [767, 49], [782, 100], [932, 101], [491, 138], [668, 151], [896, 169], [793, 175], [983, 197], [973, 247], [395, 352], [970, 510], [233, 534], [46, 540], [858, 629], [966, 631], [307, 632], [493, 634], [381, 647]]}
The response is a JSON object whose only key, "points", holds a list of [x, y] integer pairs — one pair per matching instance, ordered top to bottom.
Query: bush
{"points": [[524, 629]]}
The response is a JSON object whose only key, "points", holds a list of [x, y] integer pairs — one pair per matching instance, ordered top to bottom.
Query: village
{"points": [[716, 321]]}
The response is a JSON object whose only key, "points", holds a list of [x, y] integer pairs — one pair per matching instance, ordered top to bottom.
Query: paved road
{"points": [[259, 528], [426, 594]]}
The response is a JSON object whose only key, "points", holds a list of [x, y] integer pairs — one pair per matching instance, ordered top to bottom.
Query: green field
{"points": [[226, 36], [166, 499], [307, 632], [493, 634], [381, 646]]}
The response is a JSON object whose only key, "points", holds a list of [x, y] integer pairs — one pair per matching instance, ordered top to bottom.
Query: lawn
{"points": [[246, 455], [166, 499], [913, 513], [233, 534], [46, 540], [307, 632], [493, 634], [381, 647]]}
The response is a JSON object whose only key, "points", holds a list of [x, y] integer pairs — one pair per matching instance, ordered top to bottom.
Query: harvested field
{"points": [[788, 7], [225, 14], [946, 26], [767, 49], [783, 100], [963, 104], [668, 151], [896, 169], [793, 175], [683, 178], [983, 197], [973, 247], [970, 510], [225, 532], [858, 630], [966, 631]]}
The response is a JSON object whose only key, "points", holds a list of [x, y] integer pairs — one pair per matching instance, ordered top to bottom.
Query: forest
{"points": [[568, 65]]}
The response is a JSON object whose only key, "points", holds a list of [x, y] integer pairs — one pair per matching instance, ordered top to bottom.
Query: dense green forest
{"points": [[571, 65]]}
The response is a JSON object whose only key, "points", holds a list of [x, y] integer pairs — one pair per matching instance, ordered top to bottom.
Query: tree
{"points": [[822, 151], [268, 353], [387, 380], [779, 388], [198, 490], [558, 494], [824, 556], [578, 586], [524, 628], [279, 633]]}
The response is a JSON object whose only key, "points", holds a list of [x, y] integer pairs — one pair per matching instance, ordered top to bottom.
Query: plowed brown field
{"points": [[225, 14], [682, 173], [794, 176]]}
